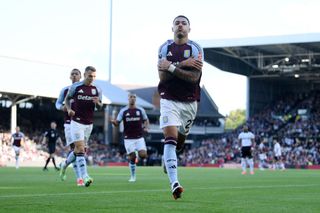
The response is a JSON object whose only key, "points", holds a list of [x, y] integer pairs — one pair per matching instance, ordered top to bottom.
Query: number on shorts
{"points": [[187, 127]]}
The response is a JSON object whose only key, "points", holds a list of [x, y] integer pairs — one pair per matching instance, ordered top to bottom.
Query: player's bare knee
{"points": [[170, 131], [79, 148], [143, 154]]}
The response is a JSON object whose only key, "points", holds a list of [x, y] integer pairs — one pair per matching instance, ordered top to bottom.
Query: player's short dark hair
{"points": [[181, 16], [90, 68], [76, 70]]}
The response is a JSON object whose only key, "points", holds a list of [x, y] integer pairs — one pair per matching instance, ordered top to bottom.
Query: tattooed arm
{"points": [[167, 70]]}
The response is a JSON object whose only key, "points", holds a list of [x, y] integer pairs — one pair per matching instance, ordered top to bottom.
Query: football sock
{"points": [[70, 158], [170, 159], [17, 161], [250, 161], [81, 164], [243, 164], [132, 167], [76, 170]]}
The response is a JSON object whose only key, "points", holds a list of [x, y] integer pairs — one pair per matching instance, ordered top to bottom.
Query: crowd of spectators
{"points": [[293, 120]]}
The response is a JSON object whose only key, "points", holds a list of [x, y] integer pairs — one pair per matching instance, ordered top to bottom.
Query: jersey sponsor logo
{"points": [[169, 53], [186, 53], [80, 91], [93, 92], [84, 97], [133, 119]]}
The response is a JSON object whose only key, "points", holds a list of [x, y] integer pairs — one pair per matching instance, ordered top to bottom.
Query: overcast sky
{"points": [[75, 33]]}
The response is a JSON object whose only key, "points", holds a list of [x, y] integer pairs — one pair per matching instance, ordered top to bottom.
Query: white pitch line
{"points": [[12, 187], [156, 190]]}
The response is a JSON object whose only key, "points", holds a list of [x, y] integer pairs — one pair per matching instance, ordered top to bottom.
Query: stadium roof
{"points": [[265, 57], [110, 94], [117, 96]]}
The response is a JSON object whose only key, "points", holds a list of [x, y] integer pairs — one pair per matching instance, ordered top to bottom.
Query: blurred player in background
{"points": [[179, 68], [75, 76], [86, 99], [135, 122], [51, 137], [18, 140], [246, 142], [262, 155], [277, 161]]}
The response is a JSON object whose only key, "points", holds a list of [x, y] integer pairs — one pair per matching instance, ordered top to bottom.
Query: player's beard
{"points": [[180, 35]]}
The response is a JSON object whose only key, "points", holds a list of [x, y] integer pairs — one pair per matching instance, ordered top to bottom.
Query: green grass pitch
{"points": [[206, 190]]}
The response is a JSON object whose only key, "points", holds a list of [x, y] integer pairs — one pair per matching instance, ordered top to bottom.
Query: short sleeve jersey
{"points": [[175, 88], [83, 105], [132, 121], [52, 136], [17, 137], [246, 138], [277, 149]]}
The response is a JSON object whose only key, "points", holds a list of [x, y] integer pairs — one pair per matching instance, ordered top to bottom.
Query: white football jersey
{"points": [[245, 138], [277, 149]]}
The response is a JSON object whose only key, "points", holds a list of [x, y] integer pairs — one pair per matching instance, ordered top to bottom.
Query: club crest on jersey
{"points": [[186, 53], [93, 92], [138, 113]]}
